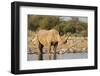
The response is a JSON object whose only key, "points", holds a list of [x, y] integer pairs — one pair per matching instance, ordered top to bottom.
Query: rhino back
{"points": [[45, 37]]}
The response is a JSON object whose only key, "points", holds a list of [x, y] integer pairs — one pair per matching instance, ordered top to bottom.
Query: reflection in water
{"points": [[31, 57]]}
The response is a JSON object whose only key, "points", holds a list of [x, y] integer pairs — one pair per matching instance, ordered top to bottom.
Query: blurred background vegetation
{"points": [[73, 25]]}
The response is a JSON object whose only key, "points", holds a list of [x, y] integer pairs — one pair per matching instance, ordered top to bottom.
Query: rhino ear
{"points": [[61, 33]]}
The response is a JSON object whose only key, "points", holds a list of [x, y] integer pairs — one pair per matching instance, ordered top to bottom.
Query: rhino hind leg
{"points": [[49, 53], [40, 55]]}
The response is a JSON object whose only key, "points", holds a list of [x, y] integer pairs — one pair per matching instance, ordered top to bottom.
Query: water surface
{"points": [[60, 56]]}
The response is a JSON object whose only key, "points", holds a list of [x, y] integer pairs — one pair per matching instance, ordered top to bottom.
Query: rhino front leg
{"points": [[55, 48]]}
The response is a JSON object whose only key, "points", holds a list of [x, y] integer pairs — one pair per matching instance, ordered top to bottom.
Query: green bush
{"points": [[48, 22]]}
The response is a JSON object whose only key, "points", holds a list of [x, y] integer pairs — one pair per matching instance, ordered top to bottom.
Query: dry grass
{"points": [[73, 45]]}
